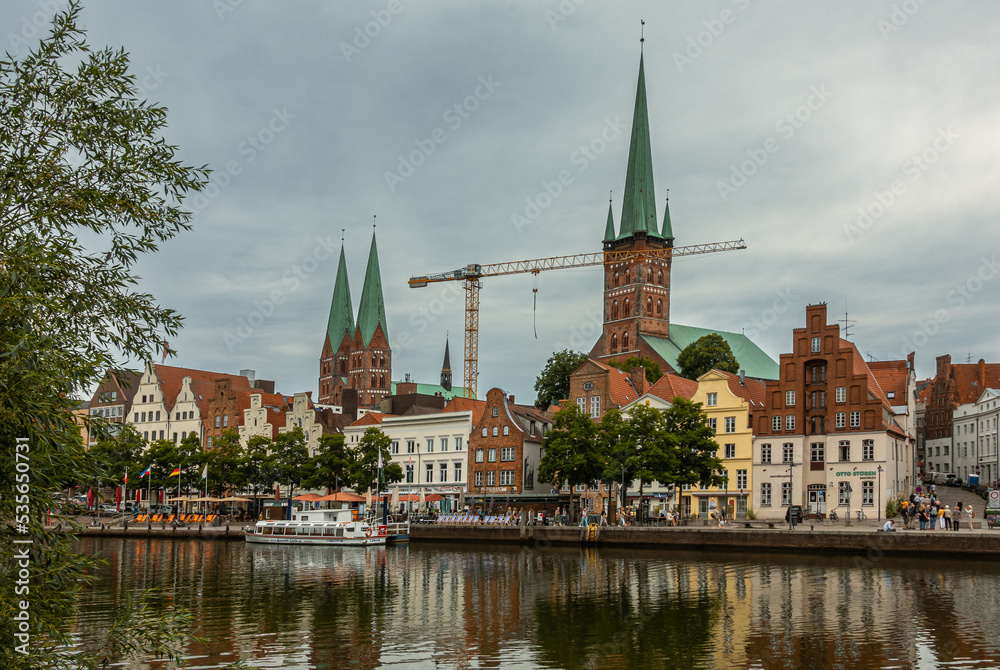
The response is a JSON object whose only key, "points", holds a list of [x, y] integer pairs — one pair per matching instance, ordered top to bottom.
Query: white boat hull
{"points": [[336, 541]]}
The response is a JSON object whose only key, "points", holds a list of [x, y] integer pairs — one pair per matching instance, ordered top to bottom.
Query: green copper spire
{"points": [[639, 208], [609, 230], [668, 231], [371, 311], [341, 314]]}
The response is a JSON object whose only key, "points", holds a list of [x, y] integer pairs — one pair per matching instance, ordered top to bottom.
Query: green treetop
{"points": [[707, 353]]}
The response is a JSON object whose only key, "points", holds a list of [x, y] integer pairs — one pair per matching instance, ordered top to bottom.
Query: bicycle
{"points": [[833, 515], [861, 515]]}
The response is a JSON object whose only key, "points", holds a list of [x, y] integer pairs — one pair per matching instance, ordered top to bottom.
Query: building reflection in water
{"points": [[465, 606]]}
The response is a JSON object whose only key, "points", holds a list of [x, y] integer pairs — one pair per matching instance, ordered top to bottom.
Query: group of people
{"points": [[931, 514]]}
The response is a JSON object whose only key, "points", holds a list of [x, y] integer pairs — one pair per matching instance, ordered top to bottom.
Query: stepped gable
{"points": [[202, 383]]}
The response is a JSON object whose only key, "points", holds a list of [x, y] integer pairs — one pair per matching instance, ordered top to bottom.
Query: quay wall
{"points": [[968, 544]]}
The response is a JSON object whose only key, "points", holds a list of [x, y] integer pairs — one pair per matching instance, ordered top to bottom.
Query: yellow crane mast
{"points": [[472, 273]]}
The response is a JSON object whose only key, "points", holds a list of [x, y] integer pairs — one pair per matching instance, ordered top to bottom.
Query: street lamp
{"points": [[879, 510]]}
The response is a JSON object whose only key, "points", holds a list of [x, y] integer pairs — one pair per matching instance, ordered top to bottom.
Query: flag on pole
{"points": [[166, 348], [177, 471], [145, 472], [204, 473], [126, 476], [90, 497]]}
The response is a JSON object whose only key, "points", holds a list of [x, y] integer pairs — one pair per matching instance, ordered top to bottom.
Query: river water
{"points": [[473, 606]]}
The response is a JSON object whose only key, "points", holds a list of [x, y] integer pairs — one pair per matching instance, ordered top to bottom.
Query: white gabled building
{"points": [[974, 431], [432, 450]]}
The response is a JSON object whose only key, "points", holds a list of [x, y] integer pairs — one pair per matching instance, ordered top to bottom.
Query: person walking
{"points": [[904, 512], [922, 517], [947, 517], [940, 521]]}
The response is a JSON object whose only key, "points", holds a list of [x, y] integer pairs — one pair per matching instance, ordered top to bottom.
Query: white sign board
{"points": [[993, 499]]}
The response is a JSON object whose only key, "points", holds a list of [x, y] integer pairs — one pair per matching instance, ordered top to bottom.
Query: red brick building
{"points": [[827, 422], [505, 447]]}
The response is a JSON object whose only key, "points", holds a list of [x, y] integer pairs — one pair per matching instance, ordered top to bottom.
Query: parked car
{"points": [[951, 479], [108, 508], [161, 509], [795, 511]]}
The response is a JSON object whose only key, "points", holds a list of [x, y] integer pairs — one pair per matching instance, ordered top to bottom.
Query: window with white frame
{"points": [[815, 345], [841, 394], [789, 398], [711, 399], [581, 402], [595, 406], [496, 412], [840, 419], [855, 419], [789, 422], [713, 424], [730, 424], [776, 424], [506, 430], [485, 431], [495, 431], [444, 444], [458, 444], [430, 445], [411, 446], [394, 449], [729, 450], [845, 450], [868, 450], [787, 452], [507, 453], [765, 453], [479, 455], [491, 455], [457, 471], [443, 472], [429, 473], [725, 476], [479, 478], [491, 478], [506, 478], [741, 479], [786, 493], [843, 493], [868, 493], [765, 494]]}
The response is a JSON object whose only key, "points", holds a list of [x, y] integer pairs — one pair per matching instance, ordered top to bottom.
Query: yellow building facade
{"points": [[729, 401]]}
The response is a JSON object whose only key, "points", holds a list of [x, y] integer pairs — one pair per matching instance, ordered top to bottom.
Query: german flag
{"points": [[177, 471]]}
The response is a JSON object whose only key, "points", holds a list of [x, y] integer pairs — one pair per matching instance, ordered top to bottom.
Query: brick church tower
{"points": [[636, 293], [356, 355]]}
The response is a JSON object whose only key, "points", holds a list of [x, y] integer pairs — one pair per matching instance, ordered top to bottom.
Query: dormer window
{"points": [[496, 411]]}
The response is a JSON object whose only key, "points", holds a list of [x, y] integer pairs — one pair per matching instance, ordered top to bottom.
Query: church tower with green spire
{"points": [[636, 293], [356, 353], [334, 359], [370, 362]]}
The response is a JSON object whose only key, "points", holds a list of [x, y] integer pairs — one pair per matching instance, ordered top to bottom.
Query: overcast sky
{"points": [[852, 145]]}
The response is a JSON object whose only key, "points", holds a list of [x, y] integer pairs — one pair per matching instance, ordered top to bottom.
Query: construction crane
{"points": [[472, 273]]}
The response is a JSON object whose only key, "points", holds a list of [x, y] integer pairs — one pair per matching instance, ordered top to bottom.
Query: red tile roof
{"points": [[892, 377], [171, 379], [971, 379], [619, 385], [671, 385], [752, 390], [462, 404], [369, 419]]}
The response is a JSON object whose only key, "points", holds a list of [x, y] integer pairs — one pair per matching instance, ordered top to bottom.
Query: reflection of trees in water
{"points": [[620, 614]]}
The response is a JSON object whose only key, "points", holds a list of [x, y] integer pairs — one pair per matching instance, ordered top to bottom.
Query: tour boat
{"points": [[318, 526]]}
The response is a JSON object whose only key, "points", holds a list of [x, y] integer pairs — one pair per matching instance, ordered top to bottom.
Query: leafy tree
{"points": [[81, 156], [707, 353], [653, 370], [552, 383], [694, 445], [373, 446], [637, 447], [572, 454], [117, 455], [161, 459], [288, 459], [191, 460], [226, 463], [331, 464], [257, 466]]}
